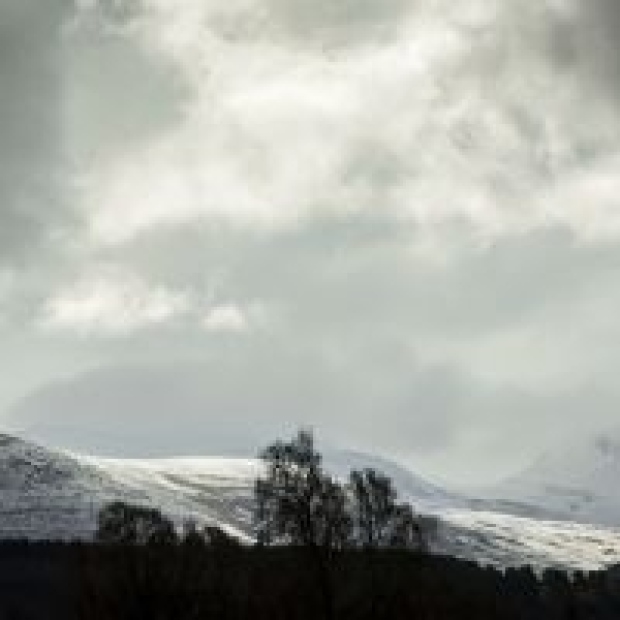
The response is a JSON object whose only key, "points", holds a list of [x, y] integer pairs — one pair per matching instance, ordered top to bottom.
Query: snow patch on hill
{"points": [[48, 494]]}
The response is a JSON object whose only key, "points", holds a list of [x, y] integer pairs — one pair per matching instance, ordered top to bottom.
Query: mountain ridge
{"points": [[54, 494]]}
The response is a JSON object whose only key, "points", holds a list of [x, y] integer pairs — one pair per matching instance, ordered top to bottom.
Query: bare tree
{"points": [[297, 503], [372, 506], [379, 521]]}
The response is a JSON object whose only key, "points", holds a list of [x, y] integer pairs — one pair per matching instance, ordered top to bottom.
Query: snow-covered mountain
{"points": [[579, 482], [51, 494]]}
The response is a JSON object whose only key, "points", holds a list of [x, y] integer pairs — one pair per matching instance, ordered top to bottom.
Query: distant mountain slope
{"points": [[341, 462], [579, 482], [47, 494], [50, 494]]}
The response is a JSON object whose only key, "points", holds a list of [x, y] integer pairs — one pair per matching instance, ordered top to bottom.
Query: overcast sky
{"points": [[397, 221]]}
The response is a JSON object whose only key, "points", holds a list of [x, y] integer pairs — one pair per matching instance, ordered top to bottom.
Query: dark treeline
{"points": [[190, 579]]}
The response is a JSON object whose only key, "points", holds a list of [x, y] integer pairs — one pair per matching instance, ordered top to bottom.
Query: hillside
{"points": [[579, 482], [50, 494]]}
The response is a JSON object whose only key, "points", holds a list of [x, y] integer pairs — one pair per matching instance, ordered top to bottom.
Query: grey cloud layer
{"points": [[593, 41], [116, 91], [471, 113], [402, 210], [441, 365]]}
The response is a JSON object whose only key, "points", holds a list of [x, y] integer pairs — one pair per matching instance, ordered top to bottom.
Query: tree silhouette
{"points": [[373, 501], [297, 503], [122, 523]]}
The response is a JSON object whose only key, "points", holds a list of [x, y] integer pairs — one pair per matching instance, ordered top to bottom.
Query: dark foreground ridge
{"points": [[194, 579]]}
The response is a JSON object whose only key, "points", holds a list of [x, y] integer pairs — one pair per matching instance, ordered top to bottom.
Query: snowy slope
{"points": [[577, 482], [217, 491], [47, 494], [51, 494], [502, 540]]}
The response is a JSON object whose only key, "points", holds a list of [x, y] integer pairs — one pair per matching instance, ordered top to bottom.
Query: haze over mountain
{"points": [[579, 480]]}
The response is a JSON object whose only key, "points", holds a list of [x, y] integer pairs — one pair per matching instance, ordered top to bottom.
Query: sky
{"points": [[394, 221]]}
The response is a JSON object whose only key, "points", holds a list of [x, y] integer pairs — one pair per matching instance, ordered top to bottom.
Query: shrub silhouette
{"points": [[122, 523]]}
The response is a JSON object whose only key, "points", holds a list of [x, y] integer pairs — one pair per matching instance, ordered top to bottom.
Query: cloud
{"points": [[339, 23], [586, 41], [117, 91], [74, 94], [174, 112], [467, 115], [32, 168], [408, 209], [111, 307], [225, 318], [234, 399], [437, 421]]}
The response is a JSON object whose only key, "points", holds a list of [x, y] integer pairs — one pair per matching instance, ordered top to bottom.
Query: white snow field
{"points": [[51, 494]]}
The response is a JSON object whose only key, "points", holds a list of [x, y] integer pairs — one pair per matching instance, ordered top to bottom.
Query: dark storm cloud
{"points": [[586, 39]]}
